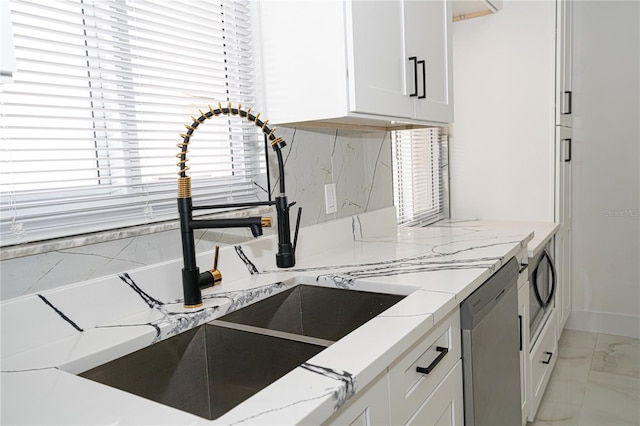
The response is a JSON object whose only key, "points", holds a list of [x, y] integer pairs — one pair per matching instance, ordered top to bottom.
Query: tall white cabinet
{"points": [[357, 62], [564, 157]]}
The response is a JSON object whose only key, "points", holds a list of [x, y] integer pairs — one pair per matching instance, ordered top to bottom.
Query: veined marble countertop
{"points": [[542, 231], [48, 338]]}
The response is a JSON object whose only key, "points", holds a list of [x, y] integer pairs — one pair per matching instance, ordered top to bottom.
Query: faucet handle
{"points": [[217, 275]]}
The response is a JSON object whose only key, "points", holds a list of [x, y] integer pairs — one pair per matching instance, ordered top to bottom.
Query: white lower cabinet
{"points": [[523, 316], [543, 357], [537, 362], [423, 386], [414, 395], [371, 407]]}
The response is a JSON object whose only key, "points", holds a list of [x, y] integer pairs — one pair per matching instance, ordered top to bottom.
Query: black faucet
{"points": [[192, 279]]}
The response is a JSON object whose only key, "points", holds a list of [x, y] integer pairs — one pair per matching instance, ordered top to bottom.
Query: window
{"points": [[101, 93], [420, 177]]}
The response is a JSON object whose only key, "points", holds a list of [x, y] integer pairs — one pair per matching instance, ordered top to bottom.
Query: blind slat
{"points": [[101, 94]]}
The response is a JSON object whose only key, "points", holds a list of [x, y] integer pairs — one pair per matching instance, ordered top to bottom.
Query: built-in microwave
{"points": [[542, 287]]}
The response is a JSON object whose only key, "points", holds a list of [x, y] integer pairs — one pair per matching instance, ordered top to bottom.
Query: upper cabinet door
{"points": [[428, 38], [376, 56], [400, 58], [564, 62]]}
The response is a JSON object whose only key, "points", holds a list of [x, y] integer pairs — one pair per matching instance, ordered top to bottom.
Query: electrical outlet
{"points": [[330, 203]]}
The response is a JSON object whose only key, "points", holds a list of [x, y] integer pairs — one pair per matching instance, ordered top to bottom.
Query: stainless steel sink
{"points": [[318, 312], [209, 370], [205, 371]]}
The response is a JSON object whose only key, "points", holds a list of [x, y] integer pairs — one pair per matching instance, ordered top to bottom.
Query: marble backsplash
{"points": [[358, 162]]}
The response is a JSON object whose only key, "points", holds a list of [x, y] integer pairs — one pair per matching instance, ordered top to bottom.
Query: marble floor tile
{"points": [[577, 344], [617, 355], [594, 383], [563, 397], [611, 400]]}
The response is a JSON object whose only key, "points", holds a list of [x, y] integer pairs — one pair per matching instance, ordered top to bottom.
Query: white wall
{"points": [[501, 146], [501, 149], [606, 160]]}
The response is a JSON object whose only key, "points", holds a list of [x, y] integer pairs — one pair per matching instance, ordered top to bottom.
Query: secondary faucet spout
{"points": [[255, 224], [192, 279]]}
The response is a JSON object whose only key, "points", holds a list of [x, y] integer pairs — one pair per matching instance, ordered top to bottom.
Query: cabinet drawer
{"points": [[543, 358], [408, 387], [444, 407]]}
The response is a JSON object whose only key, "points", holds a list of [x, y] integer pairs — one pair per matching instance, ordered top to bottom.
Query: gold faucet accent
{"points": [[266, 221], [215, 273]]}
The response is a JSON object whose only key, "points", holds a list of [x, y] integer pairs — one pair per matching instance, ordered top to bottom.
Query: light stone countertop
{"points": [[48, 338]]}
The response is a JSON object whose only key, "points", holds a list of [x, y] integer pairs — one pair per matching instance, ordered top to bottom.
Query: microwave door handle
{"points": [[552, 268], [536, 291]]}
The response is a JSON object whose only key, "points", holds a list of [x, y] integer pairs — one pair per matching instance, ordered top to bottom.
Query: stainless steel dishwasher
{"points": [[491, 351]]}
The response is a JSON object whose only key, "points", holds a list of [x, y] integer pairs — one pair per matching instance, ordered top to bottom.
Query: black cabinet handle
{"points": [[415, 75], [424, 79], [568, 95], [567, 150], [521, 337], [548, 359], [429, 369]]}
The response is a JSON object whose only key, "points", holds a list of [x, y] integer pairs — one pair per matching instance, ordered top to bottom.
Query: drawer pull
{"points": [[548, 359], [429, 369]]}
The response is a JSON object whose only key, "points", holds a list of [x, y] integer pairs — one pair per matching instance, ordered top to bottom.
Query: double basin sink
{"points": [[210, 369]]}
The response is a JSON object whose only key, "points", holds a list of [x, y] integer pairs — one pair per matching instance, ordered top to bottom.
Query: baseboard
{"points": [[604, 322]]}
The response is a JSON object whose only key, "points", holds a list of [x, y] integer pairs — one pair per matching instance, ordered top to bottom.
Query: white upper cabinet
{"points": [[564, 62], [378, 63]]}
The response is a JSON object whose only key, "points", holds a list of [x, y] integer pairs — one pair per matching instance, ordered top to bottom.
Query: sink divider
{"points": [[273, 333]]}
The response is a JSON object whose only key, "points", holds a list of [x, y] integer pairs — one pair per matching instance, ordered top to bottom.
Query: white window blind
{"points": [[101, 93], [420, 175]]}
